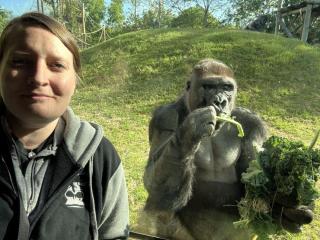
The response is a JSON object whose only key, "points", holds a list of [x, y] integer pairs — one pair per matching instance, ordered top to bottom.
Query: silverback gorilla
{"points": [[195, 162]]}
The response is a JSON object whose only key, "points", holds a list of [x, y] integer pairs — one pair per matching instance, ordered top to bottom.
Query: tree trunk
{"points": [[53, 5], [135, 12], [159, 13], [205, 17], [84, 24]]}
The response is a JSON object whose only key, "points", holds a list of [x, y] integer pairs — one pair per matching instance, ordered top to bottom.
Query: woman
{"points": [[59, 177]]}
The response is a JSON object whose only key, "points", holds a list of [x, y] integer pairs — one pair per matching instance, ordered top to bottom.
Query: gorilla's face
{"points": [[217, 91]]}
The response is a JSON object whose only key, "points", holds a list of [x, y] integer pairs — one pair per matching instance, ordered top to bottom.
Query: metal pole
{"points": [[278, 18], [84, 24], [306, 24], [142, 236]]}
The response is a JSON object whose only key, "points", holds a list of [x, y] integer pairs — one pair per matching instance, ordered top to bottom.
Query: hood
{"points": [[82, 138]]}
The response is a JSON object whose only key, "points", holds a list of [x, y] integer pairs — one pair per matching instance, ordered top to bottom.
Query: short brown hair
{"points": [[46, 22]]}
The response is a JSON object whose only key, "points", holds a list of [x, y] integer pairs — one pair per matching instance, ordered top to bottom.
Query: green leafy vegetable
{"points": [[226, 118], [284, 168]]}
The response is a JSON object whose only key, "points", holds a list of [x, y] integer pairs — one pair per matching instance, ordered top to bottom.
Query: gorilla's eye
{"points": [[209, 86], [228, 87]]}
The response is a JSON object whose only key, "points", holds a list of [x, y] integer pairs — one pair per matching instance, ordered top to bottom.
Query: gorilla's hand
{"points": [[199, 123], [291, 216]]}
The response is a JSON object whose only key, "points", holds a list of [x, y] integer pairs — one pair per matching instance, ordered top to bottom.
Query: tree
{"points": [[206, 5], [55, 6], [70, 11], [241, 12], [95, 13], [157, 14], [5, 16], [72, 16], [78, 16], [134, 16], [115, 17], [193, 17], [150, 18]]}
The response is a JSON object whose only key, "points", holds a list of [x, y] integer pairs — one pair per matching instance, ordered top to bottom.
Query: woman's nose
{"points": [[39, 74]]}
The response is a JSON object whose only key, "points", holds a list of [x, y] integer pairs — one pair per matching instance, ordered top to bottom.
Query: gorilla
{"points": [[259, 24], [195, 162]]}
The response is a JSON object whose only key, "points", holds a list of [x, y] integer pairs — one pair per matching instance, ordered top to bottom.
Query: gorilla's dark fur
{"points": [[259, 24], [195, 162]]}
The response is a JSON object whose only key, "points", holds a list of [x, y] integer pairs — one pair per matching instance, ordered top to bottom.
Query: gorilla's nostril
{"points": [[217, 103], [220, 104]]}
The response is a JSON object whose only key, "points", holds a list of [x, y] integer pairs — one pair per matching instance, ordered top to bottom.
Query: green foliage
{"points": [[244, 11], [71, 14], [95, 14], [156, 16], [115, 17], [193, 17], [4, 18], [150, 19], [225, 118], [284, 169], [292, 169]]}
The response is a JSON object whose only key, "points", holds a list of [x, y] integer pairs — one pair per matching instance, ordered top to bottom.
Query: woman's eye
{"points": [[19, 62], [57, 66]]}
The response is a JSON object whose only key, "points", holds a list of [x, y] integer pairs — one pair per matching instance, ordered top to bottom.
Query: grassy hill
{"points": [[125, 78]]}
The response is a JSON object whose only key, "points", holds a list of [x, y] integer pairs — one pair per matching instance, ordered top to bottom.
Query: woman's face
{"points": [[37, 76]]}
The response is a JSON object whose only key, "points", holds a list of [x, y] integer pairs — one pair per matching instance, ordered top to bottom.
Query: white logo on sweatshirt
{"points": [[74, 195]]}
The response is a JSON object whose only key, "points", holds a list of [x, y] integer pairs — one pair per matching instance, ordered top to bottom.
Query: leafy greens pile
{"points": [[283, 168]]}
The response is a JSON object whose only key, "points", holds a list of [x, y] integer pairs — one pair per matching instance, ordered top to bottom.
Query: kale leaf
{"points": [[283, 168]]}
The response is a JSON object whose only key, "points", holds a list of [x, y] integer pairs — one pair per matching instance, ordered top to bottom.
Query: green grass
{"points": [[125, 78]]}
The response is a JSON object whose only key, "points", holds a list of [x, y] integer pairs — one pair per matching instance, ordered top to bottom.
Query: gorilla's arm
{"points": [[255, 135], [170, 170], [168, 175]]}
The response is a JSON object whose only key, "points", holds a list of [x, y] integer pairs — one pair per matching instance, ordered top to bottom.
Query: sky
{"points": [[17, 7]]}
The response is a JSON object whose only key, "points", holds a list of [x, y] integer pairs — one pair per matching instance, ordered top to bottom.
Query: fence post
{"points": [[278, 18], [84, 23], [306, 23]]}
